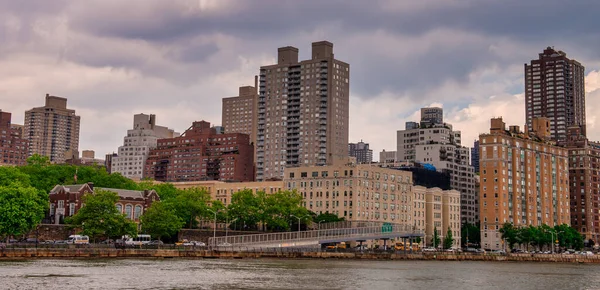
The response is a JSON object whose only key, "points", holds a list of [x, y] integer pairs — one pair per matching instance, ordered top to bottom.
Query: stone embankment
{"points": [[92, 252]]}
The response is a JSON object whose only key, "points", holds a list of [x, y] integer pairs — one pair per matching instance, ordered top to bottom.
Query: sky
{"points": [[178, 58]]}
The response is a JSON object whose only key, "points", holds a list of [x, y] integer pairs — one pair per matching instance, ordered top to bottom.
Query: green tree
{"points": [[190, 204], [22, 208], [246, 209], [327, 217], [99, 218], [160, 221], [470, 234], [509, 234], [448, 239], [435, 240]]}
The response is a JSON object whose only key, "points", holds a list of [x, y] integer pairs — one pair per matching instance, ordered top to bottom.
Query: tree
{"points": [[190, 204], [22, 208], [246, 209], [99, 218], [327, 218], [159, 221], [509, 234], [470, 235], [448, 239], [435, 240]]}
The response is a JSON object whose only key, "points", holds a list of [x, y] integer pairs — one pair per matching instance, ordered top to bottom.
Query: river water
{"points": [[293, 274]]}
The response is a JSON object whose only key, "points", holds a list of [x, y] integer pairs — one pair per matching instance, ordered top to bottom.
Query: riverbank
{"points": [[103, 253]]}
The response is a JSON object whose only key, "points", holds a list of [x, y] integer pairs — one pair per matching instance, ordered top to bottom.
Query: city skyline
{"points": [[171, 65]]}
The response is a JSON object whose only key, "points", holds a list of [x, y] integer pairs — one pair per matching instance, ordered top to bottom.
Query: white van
{"points": [[78, 240], [137, 241]]}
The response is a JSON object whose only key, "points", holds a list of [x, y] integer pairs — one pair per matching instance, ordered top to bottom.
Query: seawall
{"points": [[77, 253]]}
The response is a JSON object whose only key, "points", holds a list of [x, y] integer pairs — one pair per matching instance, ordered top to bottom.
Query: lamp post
{"points": [[299, 218], [320, 224], [215, 227], [552, 235]]}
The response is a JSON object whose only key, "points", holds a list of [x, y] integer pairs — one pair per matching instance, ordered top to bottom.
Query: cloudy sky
{"points": [[177, 59]]}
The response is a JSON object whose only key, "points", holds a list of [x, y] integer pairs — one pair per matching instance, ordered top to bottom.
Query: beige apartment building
{"points": [[302, 111], [239, 113], [52, 130], [524, 179], [223, 191], [372, 193], [434, 208]]}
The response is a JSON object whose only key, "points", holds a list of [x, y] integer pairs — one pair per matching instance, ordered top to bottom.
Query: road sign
{"points": [[386, 228]]}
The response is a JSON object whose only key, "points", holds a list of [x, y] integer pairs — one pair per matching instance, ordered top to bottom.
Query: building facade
{"points": [[555, 89], [303, 111], [239, 113], [52, 130], [434, 142], [13, 147], [361, 152], [202, 154], [132, 155], [475, 156], [387, 157], [524, 180], [584, 181], [371, 193], [66, 200], [437, 210]]}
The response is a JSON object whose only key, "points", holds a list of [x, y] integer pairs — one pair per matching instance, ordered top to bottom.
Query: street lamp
{"points": [[299, 218], [320, 224], [215, 227], [552, 235]]}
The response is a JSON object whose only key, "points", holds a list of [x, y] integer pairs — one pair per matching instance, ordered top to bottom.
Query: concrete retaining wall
{"points": [[92, 252]]}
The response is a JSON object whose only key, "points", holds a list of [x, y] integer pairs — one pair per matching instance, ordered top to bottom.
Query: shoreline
{"points": [[107, 253]]}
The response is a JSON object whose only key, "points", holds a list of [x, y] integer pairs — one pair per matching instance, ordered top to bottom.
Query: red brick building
{"points": [[13, 147], [202, 154], [584, 178], [66, 200]]}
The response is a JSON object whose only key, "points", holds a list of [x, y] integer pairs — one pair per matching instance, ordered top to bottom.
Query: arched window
{"points": [[119, 208], [128, 211], [138, 212]]}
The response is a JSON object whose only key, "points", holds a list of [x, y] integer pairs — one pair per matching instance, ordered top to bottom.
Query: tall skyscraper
{"points": [[555, 89], [302, 111], [239, 113], [52, 130], [434, 142], [13, 147], [361, 152], [131, 157], [524, 180]]}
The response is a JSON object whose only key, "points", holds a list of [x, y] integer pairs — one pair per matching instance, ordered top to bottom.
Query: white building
{"points": [[434, 142], [137, 144]]}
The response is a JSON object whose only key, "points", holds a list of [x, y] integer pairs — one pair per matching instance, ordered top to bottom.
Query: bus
{"points": [[78, 240], [137, 241]]}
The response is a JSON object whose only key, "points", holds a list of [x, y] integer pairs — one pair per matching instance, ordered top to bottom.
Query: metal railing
{"points": [[352, 230]]}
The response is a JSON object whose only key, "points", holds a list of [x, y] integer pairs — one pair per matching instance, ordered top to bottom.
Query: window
{"points": [[61, 204], [119, 208], [71, 209], [128, 211], [138, 212]]}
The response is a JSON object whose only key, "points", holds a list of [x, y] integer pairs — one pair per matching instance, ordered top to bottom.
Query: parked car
{"points": [[31, 240], [47, 242], [60, 242], [155, 242], [429, 249], [481, 251], [499, 252]]}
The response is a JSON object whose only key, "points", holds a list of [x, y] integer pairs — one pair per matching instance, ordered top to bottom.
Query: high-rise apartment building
{"points": [[555, 89], [302, 111], [239, 113], [52, 130], [434, 142], [13, 147], [361, 152], [202, 154], [475, 156], [131, 157], [584, 175], [524, 179]]}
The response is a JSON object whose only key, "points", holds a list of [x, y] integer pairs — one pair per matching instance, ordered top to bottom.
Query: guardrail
{"points": [[353, 230]]}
